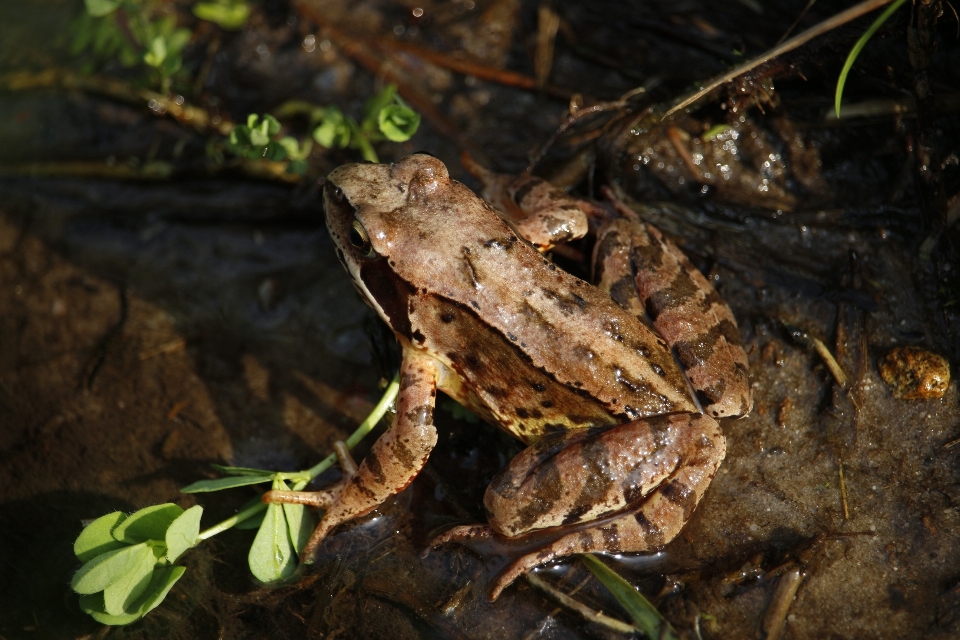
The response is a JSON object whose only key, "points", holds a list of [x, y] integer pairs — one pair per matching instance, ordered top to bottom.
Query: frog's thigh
{"points": [[647, 274], [397, 456], [584, 475], [654, 520]]}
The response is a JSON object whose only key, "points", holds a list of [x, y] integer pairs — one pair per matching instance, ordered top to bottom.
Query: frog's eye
{"points": [[360, 240]]}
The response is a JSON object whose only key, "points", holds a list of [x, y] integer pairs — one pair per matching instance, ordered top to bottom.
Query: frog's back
{"points": [[506, 297]]}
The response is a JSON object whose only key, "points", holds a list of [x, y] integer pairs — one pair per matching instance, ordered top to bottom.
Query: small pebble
{"points": [[915, 374]]}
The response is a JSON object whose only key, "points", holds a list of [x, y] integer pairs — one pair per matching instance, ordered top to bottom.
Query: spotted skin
{"points": [[682, 306], [619, 457]]}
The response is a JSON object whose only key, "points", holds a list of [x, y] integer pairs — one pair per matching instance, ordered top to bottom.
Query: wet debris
{"points": [[914, 373]]}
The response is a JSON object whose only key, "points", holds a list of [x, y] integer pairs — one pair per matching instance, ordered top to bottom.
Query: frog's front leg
{"points": [[395, 459], [627, 488]]}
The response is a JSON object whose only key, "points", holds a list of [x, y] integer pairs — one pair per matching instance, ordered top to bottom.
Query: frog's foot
{"points": [[393, 462], [322, 498], [462, 533]]}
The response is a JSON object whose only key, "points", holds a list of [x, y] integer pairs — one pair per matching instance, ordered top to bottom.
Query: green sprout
{"points": [[228, 14], [142, 31], [858, 47], [386, 117], [259, 139], [129, 559], [644, 614]]}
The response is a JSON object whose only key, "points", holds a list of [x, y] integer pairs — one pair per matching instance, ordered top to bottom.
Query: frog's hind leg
{"points": [[649, 276], [691, 450], [396, 457]]}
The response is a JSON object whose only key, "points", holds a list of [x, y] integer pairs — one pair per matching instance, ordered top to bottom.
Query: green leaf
{"points": [[99, 8], [228, 14], [178, 40], [858, 47], [157, 52], [377, 103], [252, 120], [398, 123], [273, 124], [332, 129], [240, 136], [259, 136], [274, 152], [242, 471], [219, 484], [147, 524], [299, 524], [183, 533], [96, 537], [271, 556], [102, 571], [163, 580], [160, 584], [119, 596], [92, 604], [644, 614]]}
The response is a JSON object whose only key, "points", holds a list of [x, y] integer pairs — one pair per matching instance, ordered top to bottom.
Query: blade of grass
{"points": [[858, 47], [644, 614]]}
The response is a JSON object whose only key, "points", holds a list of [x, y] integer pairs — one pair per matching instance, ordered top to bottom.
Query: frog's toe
{"points": [[461, 534]]}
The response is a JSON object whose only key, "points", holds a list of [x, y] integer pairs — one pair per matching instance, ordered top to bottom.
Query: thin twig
{"points": [[830, 24], [843, 495], [575, 605]]}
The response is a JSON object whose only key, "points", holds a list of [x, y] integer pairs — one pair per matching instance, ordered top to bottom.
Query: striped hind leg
{"points": [[649, 276], [650, 522]]}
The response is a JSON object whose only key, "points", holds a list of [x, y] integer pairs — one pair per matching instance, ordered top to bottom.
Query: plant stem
{"points": [[302, 478]]}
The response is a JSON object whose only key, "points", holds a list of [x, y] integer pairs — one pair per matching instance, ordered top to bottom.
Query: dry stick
{"points": [[841, 18], [360, 53], [469, 68], [161, 104], [843, 495], [585, 611], [776, 614]]}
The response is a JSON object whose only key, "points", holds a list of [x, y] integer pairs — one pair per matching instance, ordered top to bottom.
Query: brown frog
{"points": [[614, 387]]}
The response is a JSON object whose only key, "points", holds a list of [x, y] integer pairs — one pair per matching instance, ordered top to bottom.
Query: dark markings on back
{"points": [[524, 189], [610, 243], [503, 244], [649, 257], [471, 269], [680, 291], [624, 292], [730, 332], [418, 337], [695, 353], [711, 395], [372, 463], [600, 478], [547, 490], [680, 495], [650, 531], [611, 538]]}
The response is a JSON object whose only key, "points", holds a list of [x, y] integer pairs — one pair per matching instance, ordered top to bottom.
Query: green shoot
{"points": [[228, 14], [142, 31], [858, 46], [387, 117], [129, 559], [644, 614]]}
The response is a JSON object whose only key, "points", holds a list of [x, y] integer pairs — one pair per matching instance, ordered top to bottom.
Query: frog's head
{"points": [[366, 208]]}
